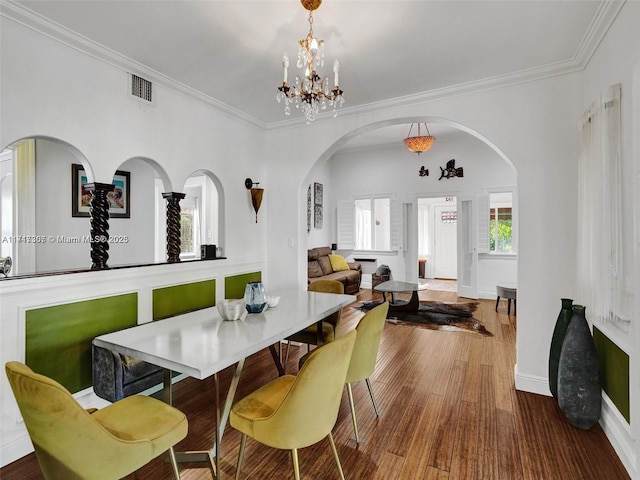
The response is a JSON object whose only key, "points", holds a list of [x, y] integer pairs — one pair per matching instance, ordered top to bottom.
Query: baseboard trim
{"points": [[531, 383], [618, 432]]}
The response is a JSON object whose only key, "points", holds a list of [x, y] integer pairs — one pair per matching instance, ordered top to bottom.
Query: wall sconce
{"points": [[256, 195]]}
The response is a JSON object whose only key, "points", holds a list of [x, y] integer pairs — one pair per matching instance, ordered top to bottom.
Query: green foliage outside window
{"points": [[504, 234]]}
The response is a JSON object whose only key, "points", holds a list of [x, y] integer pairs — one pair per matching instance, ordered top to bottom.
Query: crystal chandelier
{"points": [[310, 93], [419, 143]]}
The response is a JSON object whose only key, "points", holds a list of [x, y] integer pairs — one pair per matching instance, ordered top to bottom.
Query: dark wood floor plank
{"points": [[449, 410], [446, 428], [417, 455], [464, 461], [509, 464], [487, 467]]}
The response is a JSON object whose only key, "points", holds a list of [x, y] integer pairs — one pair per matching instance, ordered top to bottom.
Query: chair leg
{"points": [[497, 302], [373, 399], [353, 412], [243, 444], [335, 455], [174, 464], [296, 465]]}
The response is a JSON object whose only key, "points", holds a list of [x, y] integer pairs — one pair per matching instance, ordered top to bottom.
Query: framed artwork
{"points": [[317, 194], [119, 199], [309, 209], [317, 219]]}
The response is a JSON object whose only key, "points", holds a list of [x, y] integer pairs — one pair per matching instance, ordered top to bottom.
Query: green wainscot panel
{"points": [[234, 286], [188, 297], [58, 338], [614, 372]]}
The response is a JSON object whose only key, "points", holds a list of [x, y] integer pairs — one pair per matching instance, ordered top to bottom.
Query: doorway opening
{"points": [[437, 242]]}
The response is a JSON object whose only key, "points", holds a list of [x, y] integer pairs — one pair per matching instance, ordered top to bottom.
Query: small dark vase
{"points": [[559, 332], [579, 389]]}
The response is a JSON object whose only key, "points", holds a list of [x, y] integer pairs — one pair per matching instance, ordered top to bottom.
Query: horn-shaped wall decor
{"points": [[256, 195]]}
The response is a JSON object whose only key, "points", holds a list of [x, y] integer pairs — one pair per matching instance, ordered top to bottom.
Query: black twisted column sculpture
{"points": [[99, 213], [173, 225]]}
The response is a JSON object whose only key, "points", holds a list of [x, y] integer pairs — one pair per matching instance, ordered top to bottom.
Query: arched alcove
{"points": [[371, 174], [202, 214], [43, 233], [138, 234]]}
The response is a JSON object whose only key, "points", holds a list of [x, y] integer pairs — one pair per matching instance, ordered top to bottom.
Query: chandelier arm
{"points": [[311, 92]]}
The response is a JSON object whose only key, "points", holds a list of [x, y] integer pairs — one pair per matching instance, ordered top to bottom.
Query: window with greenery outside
{"points": [[500, 230]]}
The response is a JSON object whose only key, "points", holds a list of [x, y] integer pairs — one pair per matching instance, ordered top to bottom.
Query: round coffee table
{"points": [[395, 286]]}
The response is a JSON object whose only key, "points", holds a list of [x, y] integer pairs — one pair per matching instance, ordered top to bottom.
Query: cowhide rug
{"points": [[436, 316]]}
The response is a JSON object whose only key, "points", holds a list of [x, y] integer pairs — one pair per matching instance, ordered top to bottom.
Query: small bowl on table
{"points": [[273, 301], [230, 309]]}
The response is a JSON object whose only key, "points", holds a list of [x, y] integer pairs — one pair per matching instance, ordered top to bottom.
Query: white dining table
{"points": [[200, 344]]}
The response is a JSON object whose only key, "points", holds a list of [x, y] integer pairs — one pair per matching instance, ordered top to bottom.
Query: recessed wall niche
{"points": [[42, 171]]}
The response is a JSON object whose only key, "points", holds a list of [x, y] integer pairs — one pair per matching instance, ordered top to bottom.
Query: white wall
{"points": [[618, 61], [51, 90], [54, 220], [325, 236]]}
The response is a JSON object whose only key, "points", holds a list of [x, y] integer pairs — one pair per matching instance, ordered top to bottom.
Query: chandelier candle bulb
{"points": [[285, 64], [336, 68]]}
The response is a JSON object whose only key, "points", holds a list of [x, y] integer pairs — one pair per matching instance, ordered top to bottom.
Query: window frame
{"points": [[514, 221]]}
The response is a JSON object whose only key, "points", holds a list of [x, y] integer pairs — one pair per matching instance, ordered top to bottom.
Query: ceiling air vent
{"points": [[141, 88]]}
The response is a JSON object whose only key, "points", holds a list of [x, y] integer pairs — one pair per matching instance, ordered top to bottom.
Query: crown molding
{"points": [[602, 21], [44, 26]]}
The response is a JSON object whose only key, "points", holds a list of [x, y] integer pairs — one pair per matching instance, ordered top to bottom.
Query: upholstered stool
{"points": [[509, 292]]}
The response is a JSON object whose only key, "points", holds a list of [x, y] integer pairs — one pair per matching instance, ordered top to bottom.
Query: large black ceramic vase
{"points": [[559, 332], [579, 394]]}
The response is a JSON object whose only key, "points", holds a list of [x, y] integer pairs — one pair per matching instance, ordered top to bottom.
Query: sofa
{"points": [[320, 268], [116, 376]]}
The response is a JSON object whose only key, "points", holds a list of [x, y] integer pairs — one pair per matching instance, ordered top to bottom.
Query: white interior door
{"points": [[445, 242], [467, 251]]}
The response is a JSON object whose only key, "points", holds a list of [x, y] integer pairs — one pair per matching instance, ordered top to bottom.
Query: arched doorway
{"points": [[382, 166]]}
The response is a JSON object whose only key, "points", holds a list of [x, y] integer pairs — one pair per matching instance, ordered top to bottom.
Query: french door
{"points": [[467, 249]]}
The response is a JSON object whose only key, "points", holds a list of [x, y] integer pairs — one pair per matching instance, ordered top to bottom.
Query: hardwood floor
{"points": [[449, 411]]}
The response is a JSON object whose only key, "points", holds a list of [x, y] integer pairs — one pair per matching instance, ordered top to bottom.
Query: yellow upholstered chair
{"points": [[330, 324], [365, 354], [293, 412], [72, 443]]}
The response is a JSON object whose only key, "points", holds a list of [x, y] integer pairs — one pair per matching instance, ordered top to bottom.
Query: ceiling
{"points": [[230, 51]]}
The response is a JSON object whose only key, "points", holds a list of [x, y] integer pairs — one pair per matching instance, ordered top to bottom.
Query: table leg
{"points": [[413, 305], [319, 336], [277, 359], [212, 456]]}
